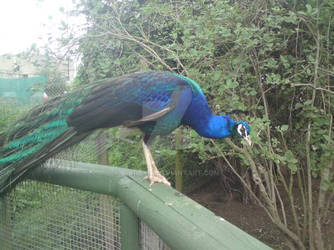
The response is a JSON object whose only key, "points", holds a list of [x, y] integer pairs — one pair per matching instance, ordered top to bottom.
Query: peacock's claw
{"points": [[153, 174], [158, 178]]}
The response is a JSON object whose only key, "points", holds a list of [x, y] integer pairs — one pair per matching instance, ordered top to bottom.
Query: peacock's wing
{"points": [[131, 101]]}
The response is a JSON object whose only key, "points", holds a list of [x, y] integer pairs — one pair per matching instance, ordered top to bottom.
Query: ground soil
{"points": [[249, 217]]}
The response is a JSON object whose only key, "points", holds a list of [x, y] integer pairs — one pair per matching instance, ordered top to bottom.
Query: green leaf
{"points": [[309, 8], [217, 75], [231, 84], [284, 127]]}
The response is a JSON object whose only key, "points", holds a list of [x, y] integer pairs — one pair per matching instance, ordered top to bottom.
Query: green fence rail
{"points": [[179, 221]]}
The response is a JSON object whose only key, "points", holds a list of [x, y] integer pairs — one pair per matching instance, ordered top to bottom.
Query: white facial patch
{"points": [[242, 130], [244, 133]]}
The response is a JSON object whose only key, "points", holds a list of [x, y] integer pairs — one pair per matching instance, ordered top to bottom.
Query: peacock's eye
{"points": [[242, 130]]}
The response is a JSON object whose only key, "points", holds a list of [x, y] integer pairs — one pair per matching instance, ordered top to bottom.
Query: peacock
{"points": [[154, 102]]}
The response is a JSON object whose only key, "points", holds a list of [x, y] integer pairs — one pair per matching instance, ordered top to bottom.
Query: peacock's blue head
{"points": [[242, 129]]}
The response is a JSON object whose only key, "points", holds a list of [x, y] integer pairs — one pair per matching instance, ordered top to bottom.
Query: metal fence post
{"points": [[129, 229]]}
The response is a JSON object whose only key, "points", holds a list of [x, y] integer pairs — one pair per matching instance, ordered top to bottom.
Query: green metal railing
{"points": [[180, 222]]}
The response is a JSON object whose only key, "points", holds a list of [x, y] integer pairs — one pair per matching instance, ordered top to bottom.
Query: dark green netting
{"points": [[23, 89]]}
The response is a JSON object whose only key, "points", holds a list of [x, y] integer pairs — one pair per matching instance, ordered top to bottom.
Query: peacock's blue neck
{"points": [[200, 118]]}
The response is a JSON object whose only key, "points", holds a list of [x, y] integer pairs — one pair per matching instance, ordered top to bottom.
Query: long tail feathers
{"points": [[40, 135]]}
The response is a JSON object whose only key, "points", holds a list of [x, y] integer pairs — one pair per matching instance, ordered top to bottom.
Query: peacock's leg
{"points": [[153, 173]]}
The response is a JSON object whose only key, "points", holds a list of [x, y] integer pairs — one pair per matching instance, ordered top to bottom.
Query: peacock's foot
{"points": [[153, 173], [157, 178]]}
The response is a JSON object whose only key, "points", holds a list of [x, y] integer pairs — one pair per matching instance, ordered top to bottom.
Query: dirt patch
{"points": [[250, 218]]}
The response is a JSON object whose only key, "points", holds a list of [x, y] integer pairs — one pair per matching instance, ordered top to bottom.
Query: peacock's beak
{"points": [[248, 140]]}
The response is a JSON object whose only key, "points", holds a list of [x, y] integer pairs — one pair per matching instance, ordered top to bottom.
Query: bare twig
{"points": [[311, 86], [307, 148], [272, 210]]}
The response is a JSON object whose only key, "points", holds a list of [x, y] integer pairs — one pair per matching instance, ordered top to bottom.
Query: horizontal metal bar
{"points": [[85, 176], [181, 222]]}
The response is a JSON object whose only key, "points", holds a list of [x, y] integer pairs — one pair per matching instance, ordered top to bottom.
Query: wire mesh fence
{"points": [[24, 89], [38, 215], [45, 216], [149, 240]]}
